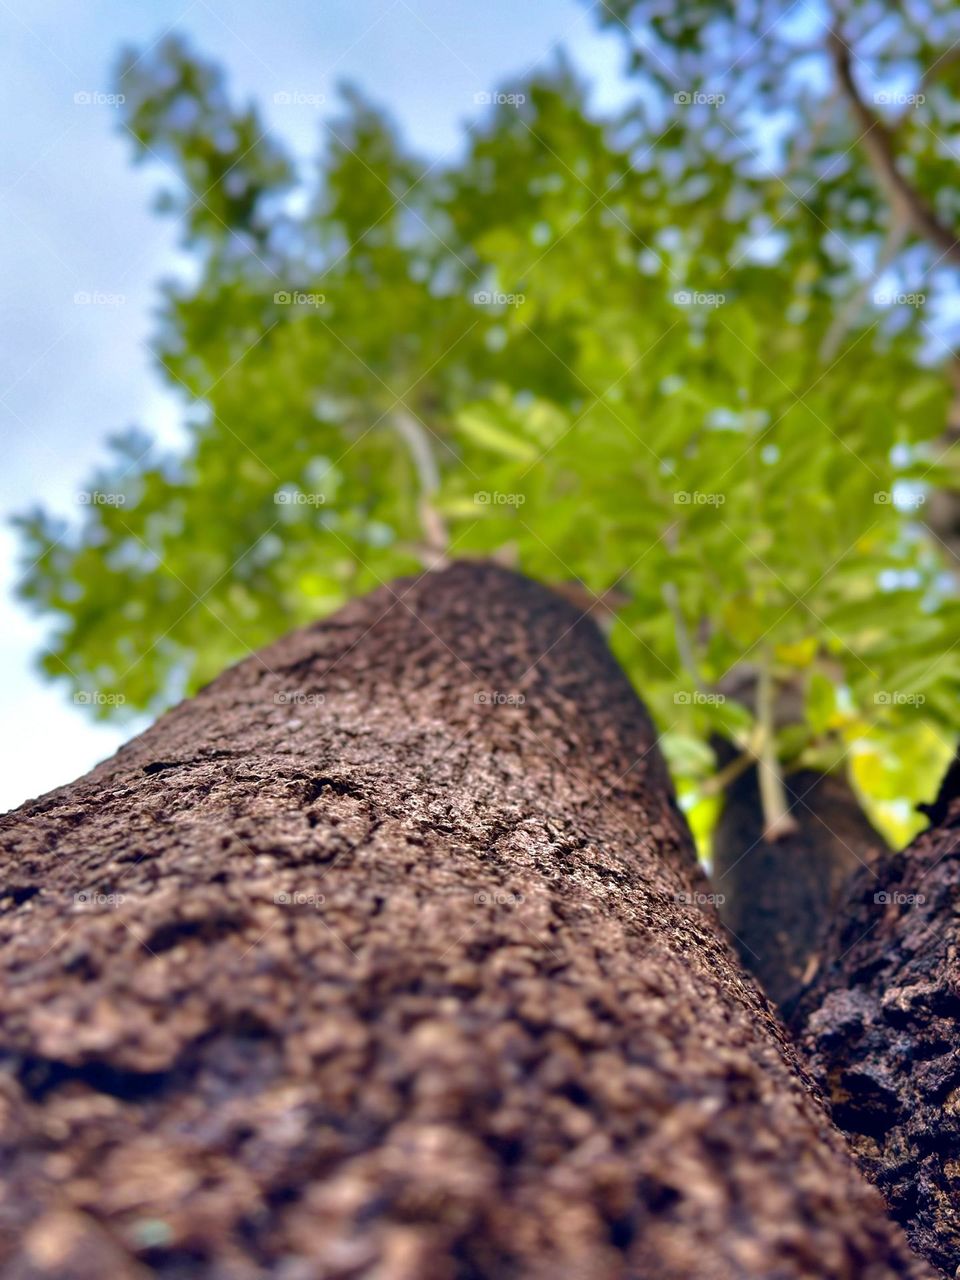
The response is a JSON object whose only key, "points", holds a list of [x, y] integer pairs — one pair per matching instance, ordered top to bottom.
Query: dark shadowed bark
{"points": [[949, 791], [780, 895], [387, 956], [881, 1025]]}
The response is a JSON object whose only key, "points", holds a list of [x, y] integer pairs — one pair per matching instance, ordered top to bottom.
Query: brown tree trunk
{"points": [[779, 896], [388, 956], [881, 1025]]}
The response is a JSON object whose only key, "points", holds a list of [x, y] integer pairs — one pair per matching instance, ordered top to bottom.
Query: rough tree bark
{"points": [[779, 896], [384, 957], [881, 1024]]}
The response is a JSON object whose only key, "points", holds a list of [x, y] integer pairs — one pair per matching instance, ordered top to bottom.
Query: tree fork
{"points": [[779, 897], [388, 956]]}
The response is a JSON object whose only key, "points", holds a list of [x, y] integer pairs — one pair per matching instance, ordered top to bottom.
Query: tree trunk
{"points": [[779, 896], [388, 956], [881, 1024]]}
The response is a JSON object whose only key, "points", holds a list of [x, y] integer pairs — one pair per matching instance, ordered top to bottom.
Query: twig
{"points": [[805, 150], [846, 316], [435, 531], [671, 597], [720, 780], [777, 821]]}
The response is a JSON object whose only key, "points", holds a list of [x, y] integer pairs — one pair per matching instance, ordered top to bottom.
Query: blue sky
{"points": [[78, 220]]}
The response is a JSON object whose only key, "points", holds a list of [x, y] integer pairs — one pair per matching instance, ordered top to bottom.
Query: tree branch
{"points": [[877, 139], [845, 318], [414, 436], [730, 772], [777, 821]]}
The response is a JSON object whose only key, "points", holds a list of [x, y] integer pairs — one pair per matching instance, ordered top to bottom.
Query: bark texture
{"points": [[780, 895], [383, 957], [881, 1025]]}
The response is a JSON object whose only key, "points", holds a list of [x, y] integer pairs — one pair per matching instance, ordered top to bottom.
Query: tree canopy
{"points": [[695, 358]]}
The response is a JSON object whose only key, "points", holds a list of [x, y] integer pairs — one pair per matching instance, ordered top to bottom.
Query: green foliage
{"points": [[609, 336]]}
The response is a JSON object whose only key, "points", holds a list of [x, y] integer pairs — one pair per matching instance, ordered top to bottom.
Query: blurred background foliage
{"points": [[696, 359]]}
